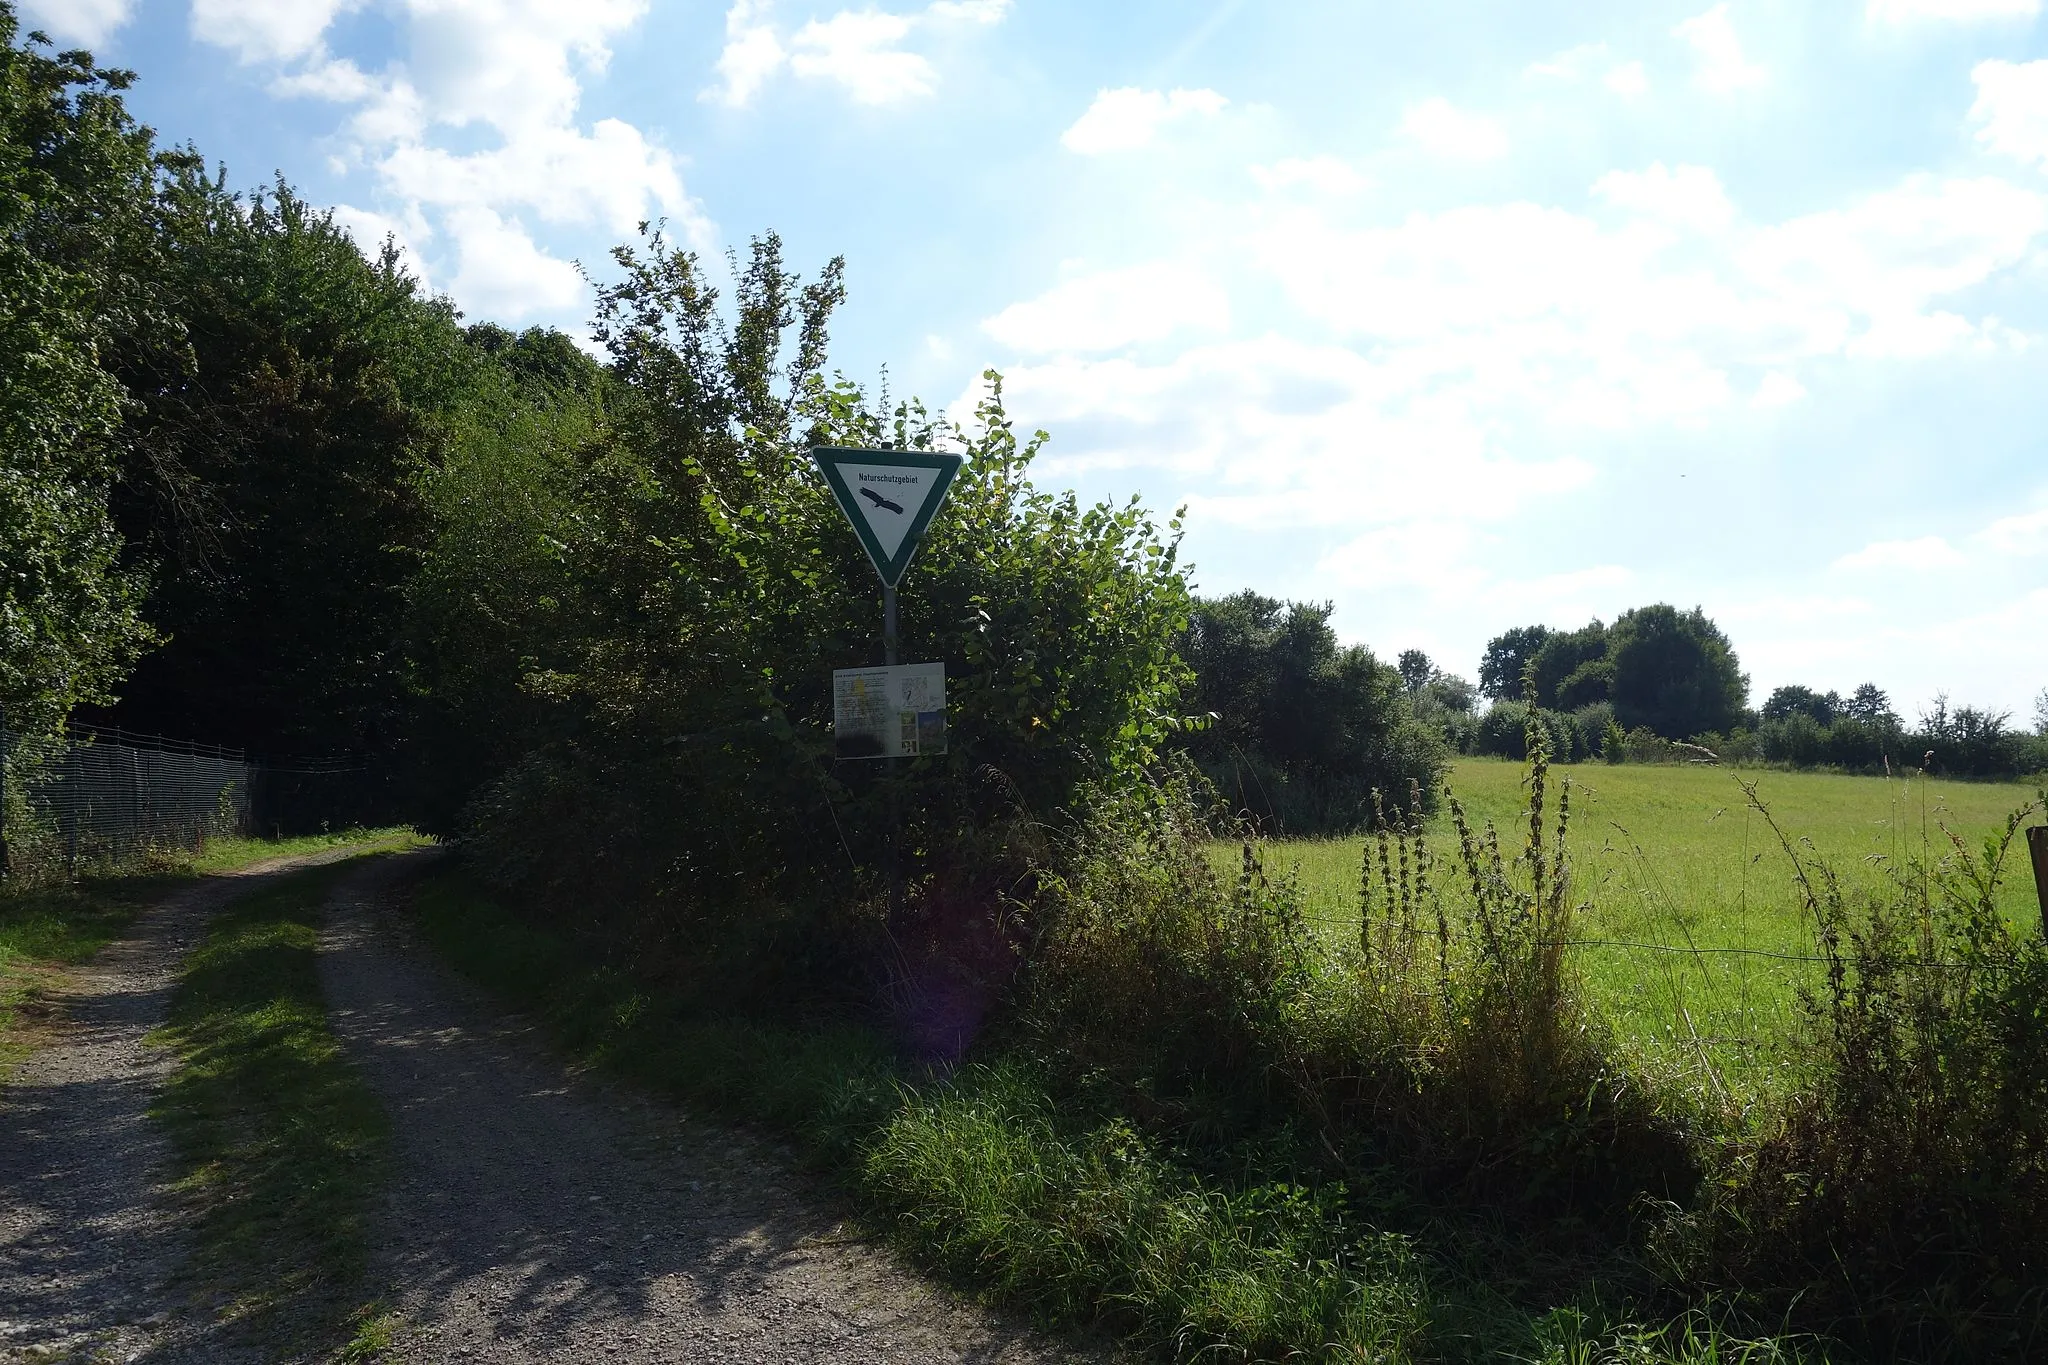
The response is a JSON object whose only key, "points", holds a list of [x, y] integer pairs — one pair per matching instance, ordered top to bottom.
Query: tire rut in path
{"points": [[540, 1216], [91, 1245]]}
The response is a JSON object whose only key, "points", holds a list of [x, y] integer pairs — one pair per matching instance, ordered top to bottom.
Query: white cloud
{"points": [[970, 11], [1953, 11], [77, 21], [266, 30], [858, 52], [752, 54], [510, 64], [1576, 64], [1570, 65], [1723, 66], [510, 74], [1629, 80], [342, 82], [2011, 110], [1127, 119], [1448, 131], [1322, 174], [611, 177], [1688, 196], [500, 272], [1867, 279], [1113, 309], [1482, 348], [1778, 390], [1279, 434], [2026, 534], [1433, 555], [1919, 555], [1912, 636]]}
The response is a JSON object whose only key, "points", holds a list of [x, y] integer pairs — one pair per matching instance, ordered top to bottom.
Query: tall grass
{"points": [[1449, 1036], [1902, 1194]]}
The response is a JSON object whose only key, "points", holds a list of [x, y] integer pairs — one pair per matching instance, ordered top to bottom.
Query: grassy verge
{"points": [[46, 929], [281, 1146], [1059, 1205]]}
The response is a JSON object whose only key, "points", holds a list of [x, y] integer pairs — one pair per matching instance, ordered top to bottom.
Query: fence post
{"points": [[2037, 844]]}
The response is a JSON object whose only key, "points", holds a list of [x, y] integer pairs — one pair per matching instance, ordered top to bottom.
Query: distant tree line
{"points": [[1628, 691], [1307, 733]]}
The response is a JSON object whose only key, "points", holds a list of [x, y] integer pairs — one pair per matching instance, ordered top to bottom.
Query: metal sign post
{"points": [[889, 497], [899, 710]]}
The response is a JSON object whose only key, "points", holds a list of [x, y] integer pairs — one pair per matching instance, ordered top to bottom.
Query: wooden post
{"points": [[2037, 844]]}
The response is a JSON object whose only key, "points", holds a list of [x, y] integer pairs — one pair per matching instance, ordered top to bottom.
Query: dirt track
{"points": [[536, 1215], [541, 1217], [89, 1249]]}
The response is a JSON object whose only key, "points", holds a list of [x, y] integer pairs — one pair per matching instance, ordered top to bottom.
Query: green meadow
{"points": [[1693, 938]]}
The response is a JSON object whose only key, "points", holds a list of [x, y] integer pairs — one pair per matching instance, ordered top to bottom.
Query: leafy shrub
{"points": [[686, 585], [1589, 731], [1503, 732], [1974, 741]]}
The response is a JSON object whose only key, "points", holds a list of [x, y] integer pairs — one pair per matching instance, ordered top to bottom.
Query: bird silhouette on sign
{"points": [[878, 500]]}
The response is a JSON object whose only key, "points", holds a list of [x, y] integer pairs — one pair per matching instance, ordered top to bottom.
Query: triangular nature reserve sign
{"points": [[889, 496]]}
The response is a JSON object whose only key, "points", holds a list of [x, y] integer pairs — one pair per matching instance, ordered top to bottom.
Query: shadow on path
{"points": [[541, 1217], [89, 1245]]}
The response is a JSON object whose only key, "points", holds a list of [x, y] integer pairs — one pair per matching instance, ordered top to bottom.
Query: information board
{"points": [[891, 712]]}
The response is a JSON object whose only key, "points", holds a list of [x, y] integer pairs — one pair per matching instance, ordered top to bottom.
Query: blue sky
{"points": [[1463, 316]]}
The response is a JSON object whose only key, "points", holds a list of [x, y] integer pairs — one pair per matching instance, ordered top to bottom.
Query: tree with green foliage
{"points": [[76, 177], [273, 459], [650, 586], [485, 609], [1507, 656], [1571, 669], [1417, 670], [1670, 672], [1675, 673], [1793, 699], [1869, 705], [1307, 729]]}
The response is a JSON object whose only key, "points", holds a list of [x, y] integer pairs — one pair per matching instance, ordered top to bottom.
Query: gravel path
{"points": [[540, 1216], [89, 1246]]}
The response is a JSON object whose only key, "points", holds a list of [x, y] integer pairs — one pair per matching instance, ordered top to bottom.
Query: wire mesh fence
{"points": [[99, 799], [102, 799]]}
